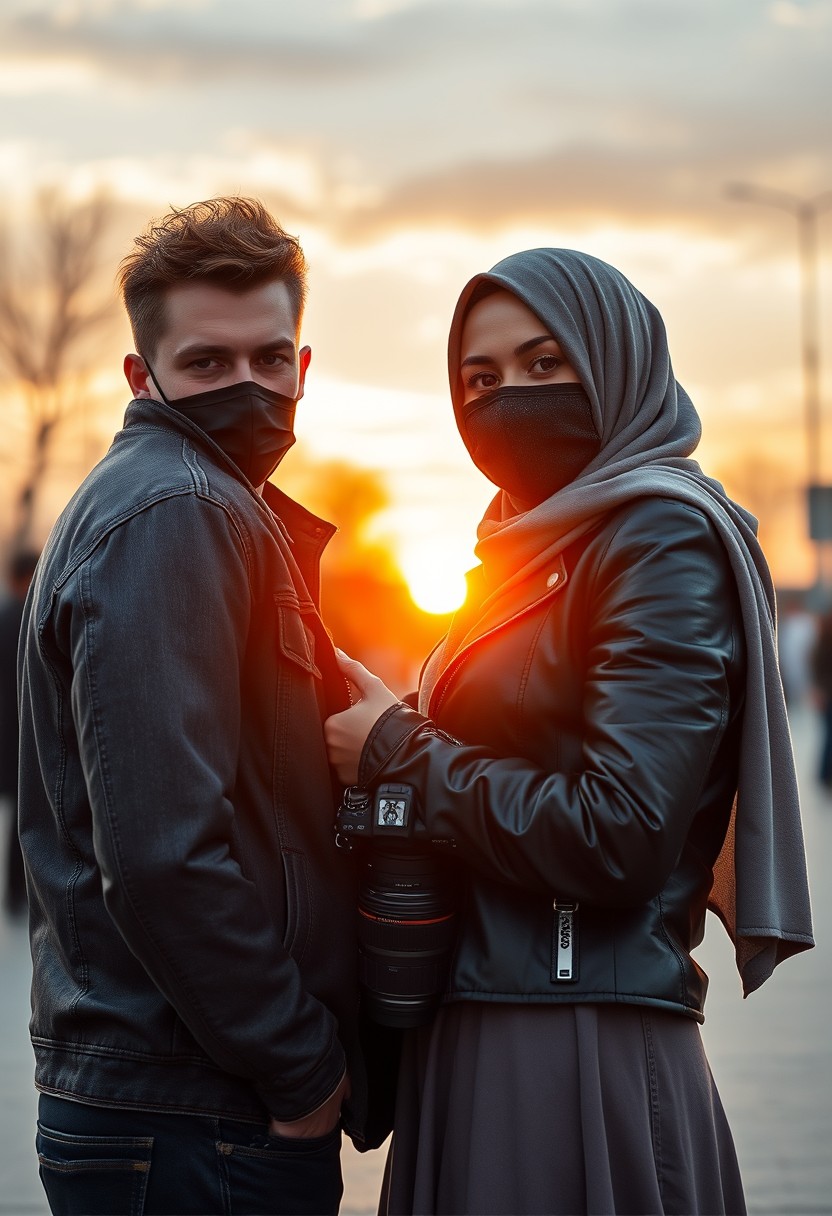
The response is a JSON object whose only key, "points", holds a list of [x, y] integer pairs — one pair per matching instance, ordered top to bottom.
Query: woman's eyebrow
{"points": [[532, 342], [520, 350]]}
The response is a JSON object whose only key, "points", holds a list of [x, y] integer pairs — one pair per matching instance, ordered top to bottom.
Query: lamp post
{"points": [[806, 212]]}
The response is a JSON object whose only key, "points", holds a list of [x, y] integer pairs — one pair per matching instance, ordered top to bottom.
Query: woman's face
{"points": [[505, 344]]}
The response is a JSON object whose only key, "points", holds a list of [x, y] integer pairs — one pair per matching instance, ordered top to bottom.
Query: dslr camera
{"points": [[406, 908]]}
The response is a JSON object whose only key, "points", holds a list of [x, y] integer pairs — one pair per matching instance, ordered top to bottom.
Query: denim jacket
{"points": [[192, 924]]}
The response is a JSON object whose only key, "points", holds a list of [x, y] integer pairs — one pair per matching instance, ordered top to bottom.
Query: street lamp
{"points": [[806, 212]]}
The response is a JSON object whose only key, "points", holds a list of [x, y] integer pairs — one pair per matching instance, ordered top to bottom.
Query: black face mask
{"points": [[253, 425], [531, 441]]}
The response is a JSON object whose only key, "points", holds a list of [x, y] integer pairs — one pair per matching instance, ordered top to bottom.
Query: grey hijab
{"points": [[615, 340]]}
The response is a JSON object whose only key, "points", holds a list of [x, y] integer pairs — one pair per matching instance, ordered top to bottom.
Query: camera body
{"points": [[387, 812], [406, 906]]}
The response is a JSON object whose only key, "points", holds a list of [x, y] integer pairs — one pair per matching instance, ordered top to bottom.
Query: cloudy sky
{"points": [[412, 143]]}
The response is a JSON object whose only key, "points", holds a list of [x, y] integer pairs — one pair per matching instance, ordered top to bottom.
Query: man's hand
{"points": [[346, 733], [320, 1122]]}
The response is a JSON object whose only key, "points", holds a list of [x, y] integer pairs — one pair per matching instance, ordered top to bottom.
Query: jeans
{"points": [[97, 1160]]}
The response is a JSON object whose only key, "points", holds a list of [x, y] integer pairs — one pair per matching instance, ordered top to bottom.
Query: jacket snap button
{"points": [[553, 579]]}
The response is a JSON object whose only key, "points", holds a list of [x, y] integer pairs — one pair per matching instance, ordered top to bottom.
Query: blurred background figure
{"points": [[21, 567], [797, 630], [821, 670]]}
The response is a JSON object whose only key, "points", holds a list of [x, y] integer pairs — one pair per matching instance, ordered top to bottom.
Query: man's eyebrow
{"points": [[530, 344], [201, 350]]}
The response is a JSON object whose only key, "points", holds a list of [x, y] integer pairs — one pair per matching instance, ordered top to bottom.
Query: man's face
{"points": [[214, 337]]}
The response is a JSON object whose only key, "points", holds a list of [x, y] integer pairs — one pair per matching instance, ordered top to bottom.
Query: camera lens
{"points": [[405, 933]]}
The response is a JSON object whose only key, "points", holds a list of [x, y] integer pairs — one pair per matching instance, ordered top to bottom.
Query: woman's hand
{"points": [[346, 733]]}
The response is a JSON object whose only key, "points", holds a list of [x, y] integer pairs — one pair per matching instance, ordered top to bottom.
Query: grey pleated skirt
{"points": [[557, 1110]]}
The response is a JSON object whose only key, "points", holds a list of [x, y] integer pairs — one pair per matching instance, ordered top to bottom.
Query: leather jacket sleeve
{"points": [[660, 615], [157, 651]]}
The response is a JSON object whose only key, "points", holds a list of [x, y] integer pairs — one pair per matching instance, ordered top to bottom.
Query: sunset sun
{"points": [[436, 577]]}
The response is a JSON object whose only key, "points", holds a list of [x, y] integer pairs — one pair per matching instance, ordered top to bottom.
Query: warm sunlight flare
{"points": [[436, 578]]}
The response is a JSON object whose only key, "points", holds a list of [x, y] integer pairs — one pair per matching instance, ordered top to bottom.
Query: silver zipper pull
{"points": [[565, 944]]}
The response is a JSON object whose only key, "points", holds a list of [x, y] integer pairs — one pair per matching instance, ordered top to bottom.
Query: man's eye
{"points": [[272, 360], [203, 365]]}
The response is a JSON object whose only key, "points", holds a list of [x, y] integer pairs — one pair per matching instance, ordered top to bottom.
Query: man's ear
{"points": [[304, 359], [138, 377]]}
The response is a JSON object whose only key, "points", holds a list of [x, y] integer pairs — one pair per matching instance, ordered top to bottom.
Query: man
{"points": [[21, 568], [194, 1007]]}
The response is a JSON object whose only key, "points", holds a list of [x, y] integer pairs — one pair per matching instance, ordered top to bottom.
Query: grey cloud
{"points": [[322, 40], [318, 42], [151, 44], [473, 113], [634, 144], [584, 185]]}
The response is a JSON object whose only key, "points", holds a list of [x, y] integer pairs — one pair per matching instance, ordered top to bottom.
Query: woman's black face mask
{"points": [[253, 425], [531, 441]]}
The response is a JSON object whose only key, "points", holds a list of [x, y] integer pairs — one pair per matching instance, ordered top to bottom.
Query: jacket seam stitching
{"points": [[191, 461], [136, 508], [238, 526], [527, 666], [106, 786], [65, 833], [683, 987], [121, 1053], [99, 1100]]}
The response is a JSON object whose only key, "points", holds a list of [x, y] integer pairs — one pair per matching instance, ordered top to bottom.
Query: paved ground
{"points": [[771, 1055]]}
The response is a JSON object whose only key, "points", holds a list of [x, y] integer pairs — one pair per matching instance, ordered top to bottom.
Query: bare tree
{"points": [[49, 309]]}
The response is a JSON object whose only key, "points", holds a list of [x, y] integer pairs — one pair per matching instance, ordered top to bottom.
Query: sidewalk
{"points": [[770, 1055]]}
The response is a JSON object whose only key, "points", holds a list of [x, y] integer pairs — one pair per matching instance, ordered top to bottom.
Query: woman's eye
{"points": [[546, 363], [483, 380]]}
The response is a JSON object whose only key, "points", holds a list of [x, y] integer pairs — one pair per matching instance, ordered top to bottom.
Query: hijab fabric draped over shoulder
{"points": [[615, 340]]}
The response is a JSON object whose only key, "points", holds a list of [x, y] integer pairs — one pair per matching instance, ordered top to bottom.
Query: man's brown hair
{"points": [[232, 242]]}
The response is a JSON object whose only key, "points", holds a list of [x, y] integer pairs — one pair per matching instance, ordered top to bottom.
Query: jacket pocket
{"points": [[296, 639], [298, 904]]}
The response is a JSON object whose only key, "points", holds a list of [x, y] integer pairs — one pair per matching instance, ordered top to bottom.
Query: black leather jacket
{"points": [[598, 708], [192, 921]]}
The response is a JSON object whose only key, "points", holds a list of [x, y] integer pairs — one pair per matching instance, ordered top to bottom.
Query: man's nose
{"points": [[243, 369]]}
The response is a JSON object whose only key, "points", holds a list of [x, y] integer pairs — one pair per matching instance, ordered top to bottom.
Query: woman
{"points": [[609, 687]]}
